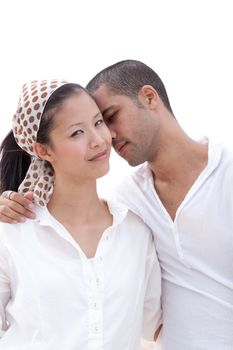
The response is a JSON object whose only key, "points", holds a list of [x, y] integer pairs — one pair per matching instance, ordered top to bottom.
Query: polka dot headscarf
{"points": [[26, 121]]}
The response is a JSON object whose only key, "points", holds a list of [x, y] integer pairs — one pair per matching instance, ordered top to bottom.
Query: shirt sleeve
{"points": [[4, 287], [152, 317]]}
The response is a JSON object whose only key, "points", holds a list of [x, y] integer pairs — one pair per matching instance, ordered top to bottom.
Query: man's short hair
{"points": [[127, 78]]}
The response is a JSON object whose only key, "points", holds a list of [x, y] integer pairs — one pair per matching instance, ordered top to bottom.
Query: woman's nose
{"points": [[96, 140]]}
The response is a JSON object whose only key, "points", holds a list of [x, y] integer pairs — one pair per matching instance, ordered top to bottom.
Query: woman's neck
{"points": [[75, 202], [79, 209]]}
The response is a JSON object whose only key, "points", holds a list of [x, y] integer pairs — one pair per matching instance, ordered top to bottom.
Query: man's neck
{"points": [[178, 158], [176, 169]]}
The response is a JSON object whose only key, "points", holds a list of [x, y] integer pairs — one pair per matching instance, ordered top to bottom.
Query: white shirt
{"points": [[195, 253], [52, 297]]}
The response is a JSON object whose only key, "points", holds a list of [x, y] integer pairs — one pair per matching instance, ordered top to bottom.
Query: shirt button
{"points": [[94, 305], [96, 329]]}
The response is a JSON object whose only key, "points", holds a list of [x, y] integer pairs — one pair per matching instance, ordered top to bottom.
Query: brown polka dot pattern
{"points": [[26, 121]]}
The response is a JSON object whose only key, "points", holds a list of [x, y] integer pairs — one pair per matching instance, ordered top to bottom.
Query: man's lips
{"points": [[120, 146], [100, 155]]}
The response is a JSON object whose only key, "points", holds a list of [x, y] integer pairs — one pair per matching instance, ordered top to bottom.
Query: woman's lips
{"points": [[100, 156]]}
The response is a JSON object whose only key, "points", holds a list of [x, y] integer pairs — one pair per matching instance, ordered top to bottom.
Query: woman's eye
{"points": [[99, 122], [77, 132]]}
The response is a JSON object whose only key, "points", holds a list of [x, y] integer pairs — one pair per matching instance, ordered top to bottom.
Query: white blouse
{"points": [[53, 297]]}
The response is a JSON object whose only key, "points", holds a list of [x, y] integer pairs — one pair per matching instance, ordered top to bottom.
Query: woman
{"points": [[83, 274]]}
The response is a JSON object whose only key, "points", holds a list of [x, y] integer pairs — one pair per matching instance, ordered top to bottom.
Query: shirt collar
{"points": [[214, 156], [118, 211]]}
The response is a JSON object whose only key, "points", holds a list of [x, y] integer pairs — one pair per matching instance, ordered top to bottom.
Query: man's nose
{"points": [[112, 132]]}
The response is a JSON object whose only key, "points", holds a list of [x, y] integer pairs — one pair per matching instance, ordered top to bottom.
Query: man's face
{"points": [[129, 124]]}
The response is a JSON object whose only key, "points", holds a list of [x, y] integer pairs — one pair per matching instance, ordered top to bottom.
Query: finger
{"points": [[7, 194], [29, 196], [24, 201], [19, 210], [14, 211], [9, 216], [7, 220]]}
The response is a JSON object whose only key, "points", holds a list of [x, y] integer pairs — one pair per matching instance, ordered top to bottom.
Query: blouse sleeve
{"points": [[4, 287], [152, 317]]}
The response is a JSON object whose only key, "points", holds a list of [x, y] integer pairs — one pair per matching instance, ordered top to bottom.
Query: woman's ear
{"points": [[149, 96], [43, 152]]}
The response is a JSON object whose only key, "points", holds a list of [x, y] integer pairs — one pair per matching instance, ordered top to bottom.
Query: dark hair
{"points": [[127, 77], [54, 102], [14, 161], [13, 165]]}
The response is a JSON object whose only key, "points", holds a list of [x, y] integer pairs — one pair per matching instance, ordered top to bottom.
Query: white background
{"points": [[188, 43]]}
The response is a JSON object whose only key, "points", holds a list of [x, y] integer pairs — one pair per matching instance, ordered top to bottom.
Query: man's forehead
{"points": [[103, 89], [105, 92], [104, 98]]}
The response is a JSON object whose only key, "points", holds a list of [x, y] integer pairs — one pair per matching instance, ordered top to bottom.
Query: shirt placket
{"points": [[174, 225], [174, 228], [176, 235], [94, 279]]}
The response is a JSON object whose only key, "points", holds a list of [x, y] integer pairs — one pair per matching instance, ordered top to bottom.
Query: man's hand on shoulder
{"points": [[15, 207]]}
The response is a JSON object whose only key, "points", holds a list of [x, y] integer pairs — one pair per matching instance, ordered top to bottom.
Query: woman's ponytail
{"points": [[14, 164]]}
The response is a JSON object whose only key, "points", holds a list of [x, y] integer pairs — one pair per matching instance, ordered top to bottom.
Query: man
{"points": [[183, 191]]}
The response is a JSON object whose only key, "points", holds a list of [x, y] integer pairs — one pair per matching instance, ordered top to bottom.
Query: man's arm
{"points": [[16, 209], [4, 288], [152, 319]]}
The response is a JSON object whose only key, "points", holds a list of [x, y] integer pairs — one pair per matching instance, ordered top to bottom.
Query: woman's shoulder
{"points": [[121, 209], [128, 221], [136, 221], [7, 228], [7, 231], [15, 231]]}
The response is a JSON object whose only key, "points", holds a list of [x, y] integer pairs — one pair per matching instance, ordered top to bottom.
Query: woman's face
{"points": [[80, 141]]}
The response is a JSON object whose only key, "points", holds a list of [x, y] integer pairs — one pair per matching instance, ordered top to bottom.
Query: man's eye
{"points": [[109, 119], [77, 132]]}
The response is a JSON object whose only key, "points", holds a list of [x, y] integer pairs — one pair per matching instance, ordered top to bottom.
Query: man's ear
{"points": [[149, 96], [43, 152]]}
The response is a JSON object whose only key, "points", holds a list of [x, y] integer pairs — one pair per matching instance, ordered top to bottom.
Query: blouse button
{"points": [[96, 329]]}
